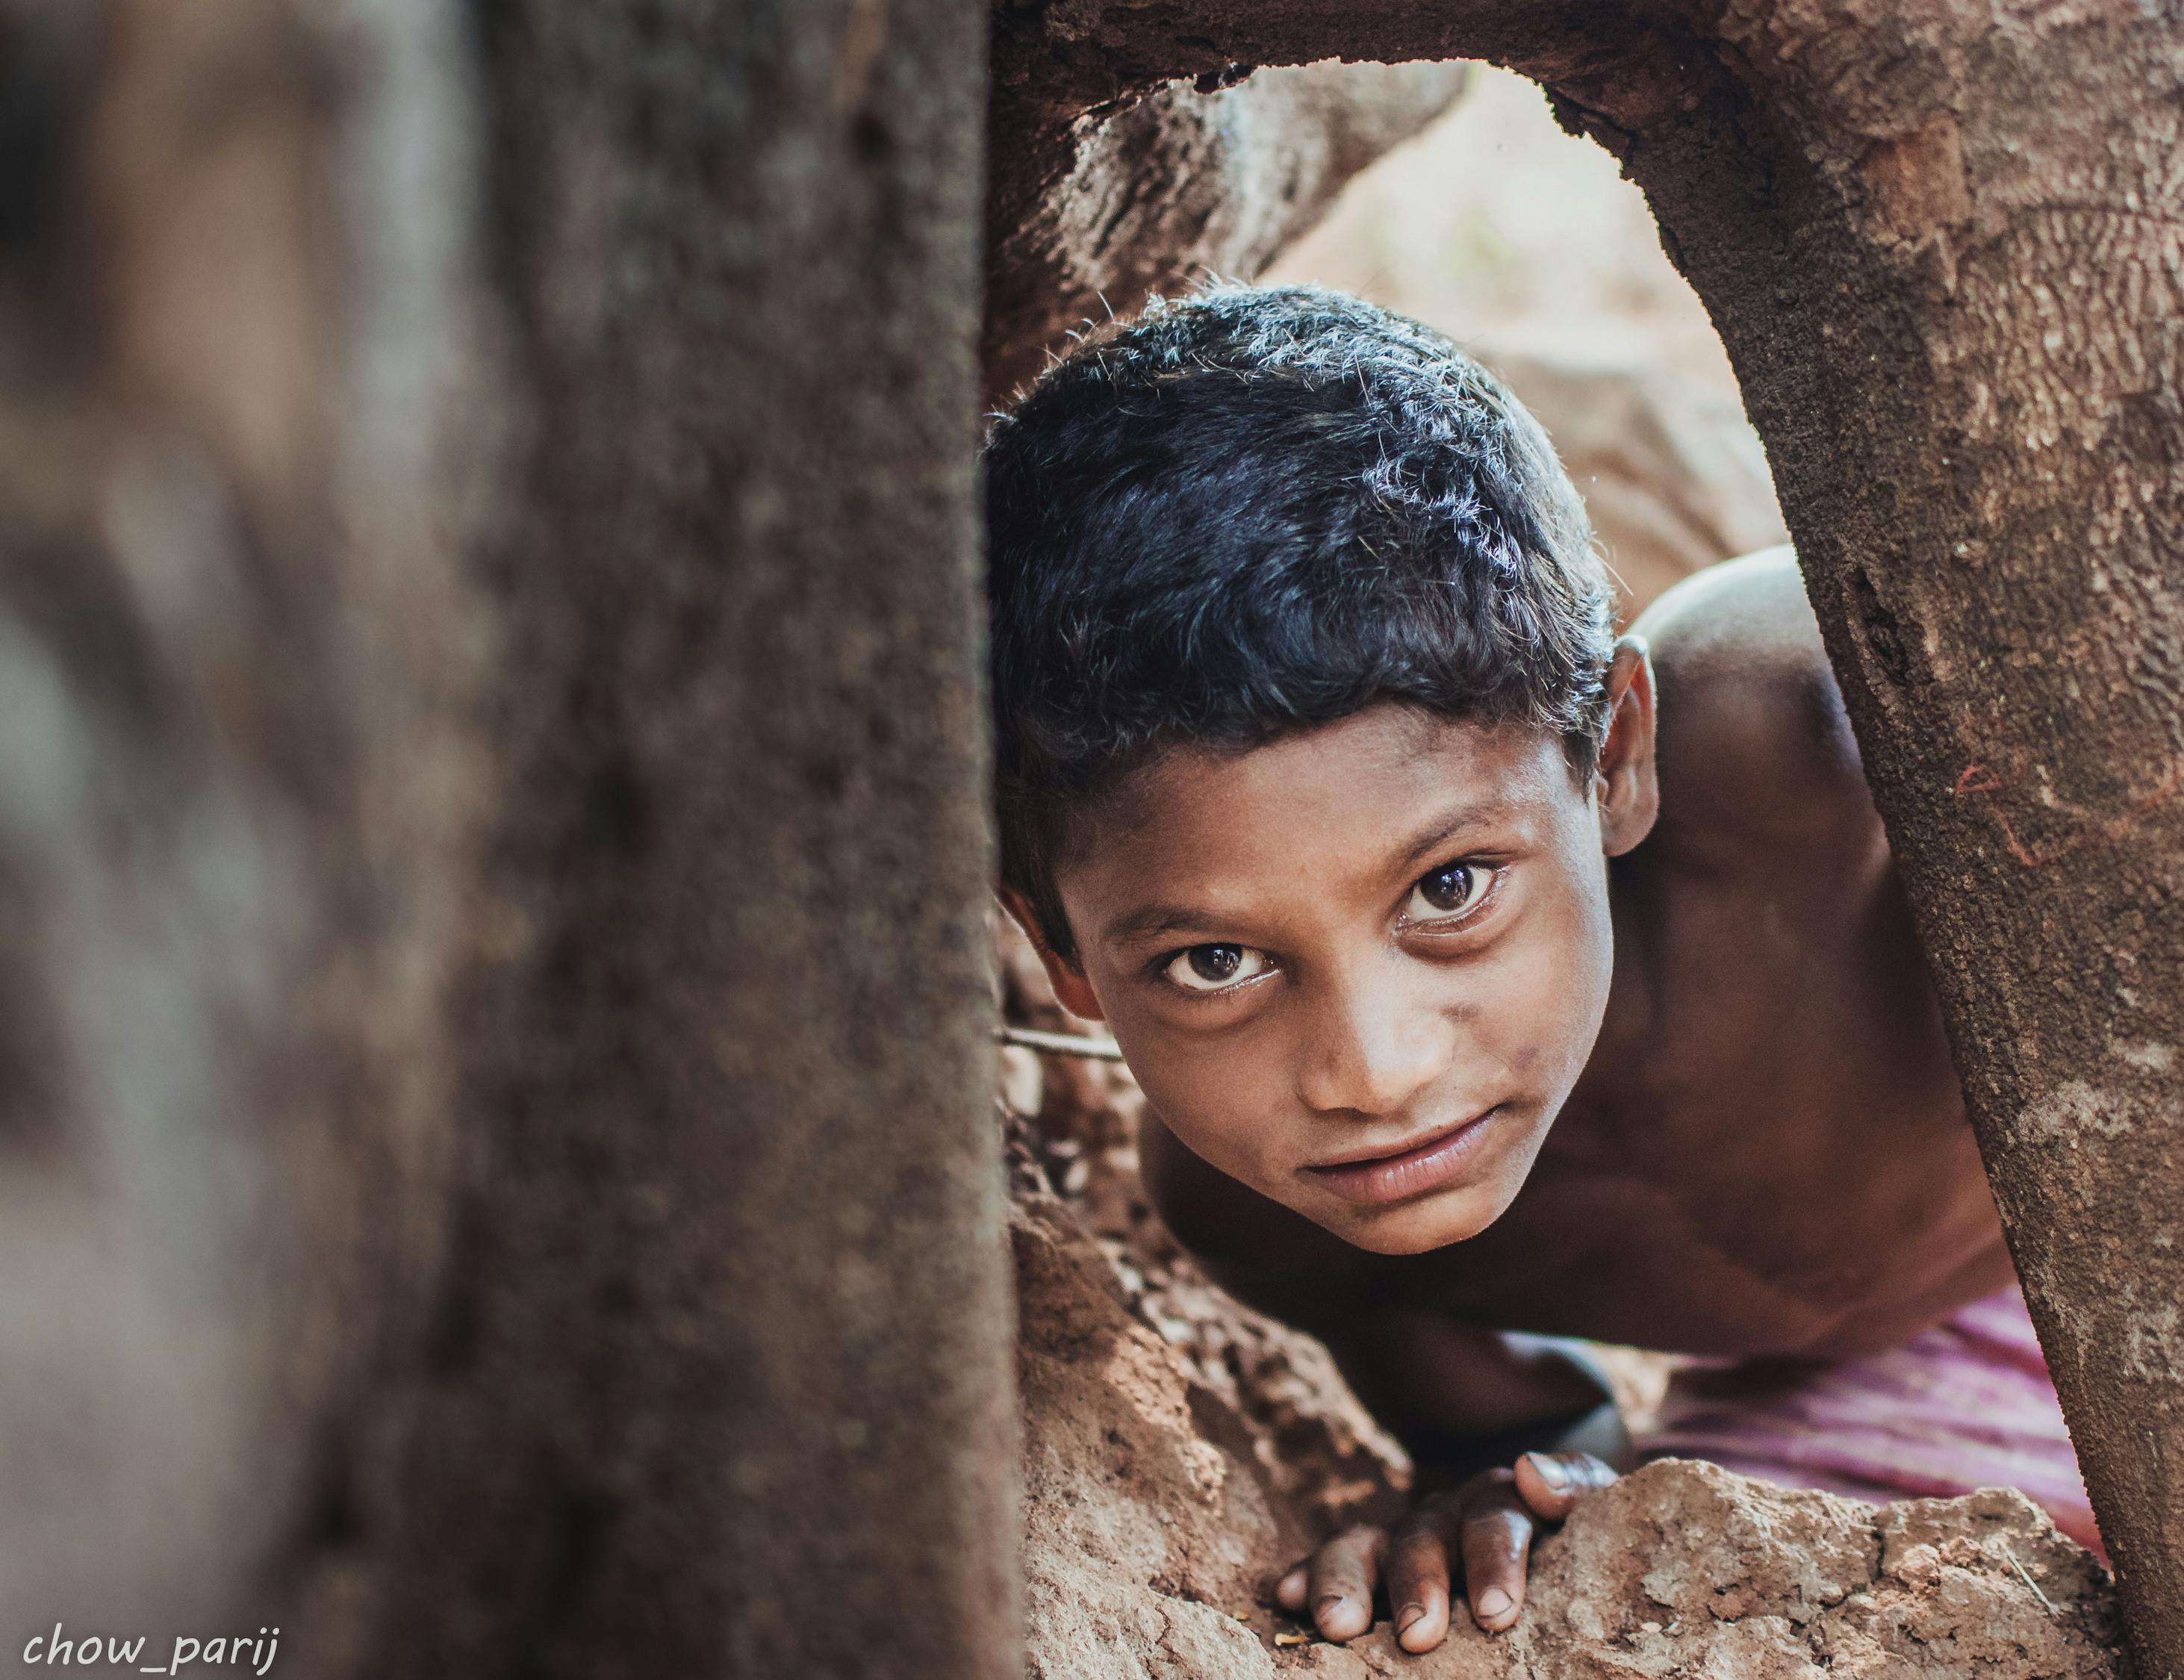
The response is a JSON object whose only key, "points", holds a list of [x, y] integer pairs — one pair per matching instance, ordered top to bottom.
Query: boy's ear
{"points": [[1627, 785], [1072, 990]]}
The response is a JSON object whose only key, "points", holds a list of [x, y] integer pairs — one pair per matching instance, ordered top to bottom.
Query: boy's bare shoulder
{"points": [[1753, 743]]}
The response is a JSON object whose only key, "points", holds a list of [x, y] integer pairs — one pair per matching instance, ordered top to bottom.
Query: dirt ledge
{"points": [[1155, 1523]]}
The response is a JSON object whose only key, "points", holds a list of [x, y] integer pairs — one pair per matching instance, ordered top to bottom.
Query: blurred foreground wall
{"points": [[496, 1171]]}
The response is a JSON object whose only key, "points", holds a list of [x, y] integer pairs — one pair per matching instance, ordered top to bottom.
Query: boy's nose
{"points": [[1372, 1050]]}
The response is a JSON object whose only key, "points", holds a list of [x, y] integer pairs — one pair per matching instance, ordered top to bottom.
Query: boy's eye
{"points": [[1447, 892], [1208, 968]]}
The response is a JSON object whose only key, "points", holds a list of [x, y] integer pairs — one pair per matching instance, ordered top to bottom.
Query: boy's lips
{"points": [[1411, 1170]]}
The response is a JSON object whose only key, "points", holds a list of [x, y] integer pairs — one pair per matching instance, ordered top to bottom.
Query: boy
{"points": [[1474, 1006]]}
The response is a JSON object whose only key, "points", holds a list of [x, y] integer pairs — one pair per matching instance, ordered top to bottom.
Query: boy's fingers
{"points": [[1549, 1483], [1493, 1522], [1497, 1538], [1418, 1581], [1341, 1589]]}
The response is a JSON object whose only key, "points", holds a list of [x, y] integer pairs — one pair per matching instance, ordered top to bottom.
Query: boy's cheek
{"points": [[1235, 1124], [1243, 1153]]}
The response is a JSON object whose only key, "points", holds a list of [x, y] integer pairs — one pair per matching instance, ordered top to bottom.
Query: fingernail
{"points": [[1550, 1472], [1332, 1601], [1492, 1603], [1411, 1613]]}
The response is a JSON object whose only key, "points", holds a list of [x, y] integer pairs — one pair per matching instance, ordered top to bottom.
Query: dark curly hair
{"points": [[1254, 511]]}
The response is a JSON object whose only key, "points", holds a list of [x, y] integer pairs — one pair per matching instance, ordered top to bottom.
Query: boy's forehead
{"points": [[1359, 793]]}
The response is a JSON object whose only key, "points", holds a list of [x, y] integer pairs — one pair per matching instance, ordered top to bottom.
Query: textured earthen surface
{"points": [[1094, 213]]}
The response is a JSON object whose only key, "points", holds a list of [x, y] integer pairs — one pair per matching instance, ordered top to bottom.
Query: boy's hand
{"points": [[1487, 1525]]}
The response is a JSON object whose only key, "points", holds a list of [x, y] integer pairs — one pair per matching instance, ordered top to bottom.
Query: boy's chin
{"points": [[1415, 1227]]}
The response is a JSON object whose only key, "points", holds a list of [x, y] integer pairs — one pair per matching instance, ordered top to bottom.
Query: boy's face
{"points": [[1360, 970]]}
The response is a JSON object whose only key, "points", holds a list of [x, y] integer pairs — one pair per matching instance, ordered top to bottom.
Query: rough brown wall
{"points": [[1196, 177], [1936, 243], [718, 1384]]}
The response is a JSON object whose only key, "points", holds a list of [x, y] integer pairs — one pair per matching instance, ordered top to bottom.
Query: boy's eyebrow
{"points": [[1441, 830], [1149, 920]]}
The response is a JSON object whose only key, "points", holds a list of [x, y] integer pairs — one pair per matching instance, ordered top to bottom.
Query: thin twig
{"points": [[1061, 1044], [2028, 1580]]}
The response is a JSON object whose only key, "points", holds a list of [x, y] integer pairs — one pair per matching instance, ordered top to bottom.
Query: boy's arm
{"points": [[1505, 1430]]}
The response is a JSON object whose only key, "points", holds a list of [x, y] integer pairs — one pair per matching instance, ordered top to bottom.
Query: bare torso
{"points": [[1766, 1154]]}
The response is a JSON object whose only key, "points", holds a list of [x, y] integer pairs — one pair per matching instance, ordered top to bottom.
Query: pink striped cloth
{"points": [[1966, 1405]]}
